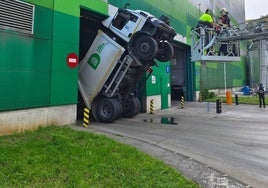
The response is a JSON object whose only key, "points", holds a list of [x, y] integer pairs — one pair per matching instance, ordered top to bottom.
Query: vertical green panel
{"points": [[66, 40], [25, 65], [64, 79], [153, 83], [161, 84], [165, 84], [64, 88], [23, 89]]}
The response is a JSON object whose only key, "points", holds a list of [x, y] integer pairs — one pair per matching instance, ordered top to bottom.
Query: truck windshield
{"points": [[122, 18]]}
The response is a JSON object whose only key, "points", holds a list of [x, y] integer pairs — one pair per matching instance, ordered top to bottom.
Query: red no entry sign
{"points": [[72, 60]]}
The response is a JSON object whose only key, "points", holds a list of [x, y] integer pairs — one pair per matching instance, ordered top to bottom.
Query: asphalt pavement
{"points": [[227, 149]]}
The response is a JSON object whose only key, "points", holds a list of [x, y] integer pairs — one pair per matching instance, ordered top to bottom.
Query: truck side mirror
{"points": [[126, 5]]}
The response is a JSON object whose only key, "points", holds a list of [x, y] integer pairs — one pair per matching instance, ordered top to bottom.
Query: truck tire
{"points": [[145, 47], [165, 51], [138, 105], [132, 107], [94, 108], [119, 108], [107, 110]]}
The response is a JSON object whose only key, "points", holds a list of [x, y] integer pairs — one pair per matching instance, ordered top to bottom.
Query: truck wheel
{"points": [[145, 47], [165, 51], [138, 105], [119, 107], [132, 107], [94, 108], [107, 110]]}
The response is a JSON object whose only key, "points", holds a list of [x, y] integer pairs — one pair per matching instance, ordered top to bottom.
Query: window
{"points": [[16, 16], [123, 18], [120, 21]]}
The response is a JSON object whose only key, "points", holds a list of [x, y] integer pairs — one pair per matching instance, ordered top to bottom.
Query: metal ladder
{"points": [[112, 87]]}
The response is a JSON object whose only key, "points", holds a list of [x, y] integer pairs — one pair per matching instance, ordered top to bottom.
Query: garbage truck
{"points": [[122, 51]]}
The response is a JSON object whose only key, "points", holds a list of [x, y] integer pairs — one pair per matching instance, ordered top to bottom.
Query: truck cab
{"points": [[147, 36]]}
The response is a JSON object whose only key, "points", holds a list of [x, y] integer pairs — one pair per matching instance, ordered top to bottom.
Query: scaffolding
{"points": [[221, 44]]}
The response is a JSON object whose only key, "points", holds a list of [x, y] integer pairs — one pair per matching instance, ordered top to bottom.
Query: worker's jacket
{"points": [[224, 20], [261, 90]]}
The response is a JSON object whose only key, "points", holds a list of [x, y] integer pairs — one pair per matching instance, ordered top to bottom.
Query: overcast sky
{"points": [[256, 8]]}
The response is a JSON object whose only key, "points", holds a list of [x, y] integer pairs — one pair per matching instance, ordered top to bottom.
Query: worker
{"points": [[224, 19], [206, 21], [223, 23], [261, 95]]}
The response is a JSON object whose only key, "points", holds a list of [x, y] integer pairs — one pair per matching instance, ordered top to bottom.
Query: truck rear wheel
{"points": [[145, 47], [165, 51], [132, 107], [94, 108], [119, 108], [108, 110]]}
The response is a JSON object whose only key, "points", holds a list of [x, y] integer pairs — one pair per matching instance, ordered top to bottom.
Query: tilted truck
{"points": [[123, 50]]}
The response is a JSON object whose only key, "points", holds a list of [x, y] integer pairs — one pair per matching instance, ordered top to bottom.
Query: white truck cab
{"points": [[125, 23]]}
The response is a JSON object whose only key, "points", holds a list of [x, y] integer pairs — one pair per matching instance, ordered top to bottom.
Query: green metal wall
{"points": [[33, 69], [213, 75], [161, 84]]}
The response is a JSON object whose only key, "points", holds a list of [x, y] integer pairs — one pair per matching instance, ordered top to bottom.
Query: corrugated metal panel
{"points": [[17, 16]]}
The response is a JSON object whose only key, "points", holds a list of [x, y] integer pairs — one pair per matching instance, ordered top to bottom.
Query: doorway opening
{"points": [[90, 23], [178, 71]]}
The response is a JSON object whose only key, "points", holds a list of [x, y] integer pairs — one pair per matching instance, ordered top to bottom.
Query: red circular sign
{"points": [[72, 60]]}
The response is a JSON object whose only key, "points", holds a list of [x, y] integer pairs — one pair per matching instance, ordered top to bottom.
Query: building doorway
{"points": [[90, 23], [181, 73], [178, 78]]}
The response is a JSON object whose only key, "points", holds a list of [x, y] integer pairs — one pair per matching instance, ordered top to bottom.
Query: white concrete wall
{"points": [[169, 100], [156, 102], [30, 119]]}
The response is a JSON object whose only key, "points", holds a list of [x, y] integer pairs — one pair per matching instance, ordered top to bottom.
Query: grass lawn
{"points": [[62, 157]]}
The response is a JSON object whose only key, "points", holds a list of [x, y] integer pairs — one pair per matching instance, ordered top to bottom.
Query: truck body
{"points": [[123, 50], [97, 64]]}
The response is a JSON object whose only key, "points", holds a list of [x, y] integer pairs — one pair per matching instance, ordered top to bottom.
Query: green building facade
{"points": [[34, 72], [37, 85]]}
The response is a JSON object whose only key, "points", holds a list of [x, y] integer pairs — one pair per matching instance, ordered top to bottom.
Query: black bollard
{"points": [[236, 99], [218, 106]]}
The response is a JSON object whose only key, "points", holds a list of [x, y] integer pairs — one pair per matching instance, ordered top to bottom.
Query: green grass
{"points": [[253, 100], [62, 157]]}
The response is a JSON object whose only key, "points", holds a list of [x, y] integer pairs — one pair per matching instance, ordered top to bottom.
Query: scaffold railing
{"points": [[222, 44]]}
